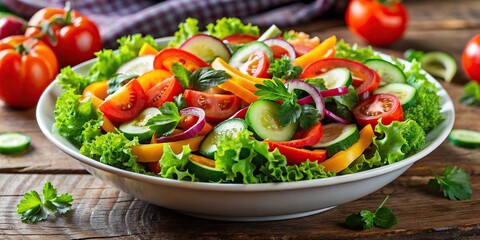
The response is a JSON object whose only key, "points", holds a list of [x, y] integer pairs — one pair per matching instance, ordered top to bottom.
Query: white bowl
{"points": [[239, 202]]}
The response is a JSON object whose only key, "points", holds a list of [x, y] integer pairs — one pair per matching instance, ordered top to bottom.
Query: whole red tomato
{"points": [[378, 22], [75, 37], [471, 58], [27, 66]]}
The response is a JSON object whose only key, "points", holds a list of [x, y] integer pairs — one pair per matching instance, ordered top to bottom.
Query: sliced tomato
{"points": [[239, 38], [301, 50], [165, 58], [256, 65], [152, 78], [365, 80], [163, 92], [125, 103], [384, 106], [217, 107], [309, 138], [295, 156]]}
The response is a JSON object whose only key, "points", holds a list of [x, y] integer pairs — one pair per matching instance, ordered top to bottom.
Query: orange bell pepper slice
{"points": [[147, 49], [325, 49], [152, 78], [235, 88], [97, 89], [153, 152], [342, 159], [202, 160]]}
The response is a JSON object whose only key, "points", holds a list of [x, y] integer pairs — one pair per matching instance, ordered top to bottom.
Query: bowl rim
{"points": [[447, 111]]}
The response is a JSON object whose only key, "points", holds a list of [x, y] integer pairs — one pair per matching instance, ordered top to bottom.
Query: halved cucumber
{"points": [[272, 32], [206, 47], [242, 54], [439, 64], [137, 66], [388, 72], [336, 77], [404, 92], [262, 119], [136, 127], [338, 137], [465, 138], [13, 142], [208, 146], [204, 170]]}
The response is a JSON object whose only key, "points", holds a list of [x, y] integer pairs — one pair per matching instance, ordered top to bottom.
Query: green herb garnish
{"points": [[283, 68], [471, 94], [164, 123], [454, 183], [365, 219]]}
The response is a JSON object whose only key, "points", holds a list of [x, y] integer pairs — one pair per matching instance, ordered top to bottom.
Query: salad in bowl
{"points": [[235, 112]]}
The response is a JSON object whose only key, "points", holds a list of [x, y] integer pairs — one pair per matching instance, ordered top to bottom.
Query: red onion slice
{"points": [[280, 43], [314, 93], [325, 93], [240, 113], [335, 117], [190, 132]]}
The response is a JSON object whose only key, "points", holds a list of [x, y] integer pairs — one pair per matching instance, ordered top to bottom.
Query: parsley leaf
{"points": [[284, 68], [182, 74], [205, 78], [118, 81], [471, 94], [164, 123], [454, 182], [33, 209], [365, 219]]}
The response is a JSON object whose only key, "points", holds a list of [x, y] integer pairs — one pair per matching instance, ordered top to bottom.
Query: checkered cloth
{"points": [[117, 18]]}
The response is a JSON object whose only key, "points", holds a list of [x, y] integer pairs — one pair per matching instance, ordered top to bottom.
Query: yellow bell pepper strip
{"points": [[147, 49], [324, 50], [220, 64], [235, 88], [153, 152], [342, 159], [202, 160]]}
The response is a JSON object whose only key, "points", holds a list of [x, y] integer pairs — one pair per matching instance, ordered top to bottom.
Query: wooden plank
{"points": [[101, 211]]}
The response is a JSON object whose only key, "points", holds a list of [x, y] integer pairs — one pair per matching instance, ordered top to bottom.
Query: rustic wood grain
{"points": [[101, 211]]}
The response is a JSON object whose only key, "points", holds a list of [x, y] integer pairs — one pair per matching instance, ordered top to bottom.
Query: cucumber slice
{"points": [[272, 32], [206, 47], [242, 54], [439, 64], [137, 66], [388, 72], [336, 77], [404, 92], [262, 120], [136, 127], [338, 137], [465, 138], [13, 142], [208, 146], [203, 171]]}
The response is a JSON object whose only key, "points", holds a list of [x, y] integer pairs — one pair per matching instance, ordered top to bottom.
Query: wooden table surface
{"points": [[101, 211]]}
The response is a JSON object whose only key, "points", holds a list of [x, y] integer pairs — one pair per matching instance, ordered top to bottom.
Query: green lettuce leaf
{"points": [[227, 26], [185, 30], [354, 52], [108, 60], [68, 79], [426, 110], [72, 117], [113, 149], [173, 165]]}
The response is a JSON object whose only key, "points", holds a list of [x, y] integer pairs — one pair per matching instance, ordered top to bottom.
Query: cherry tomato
{"points": [[377, 22], [76, 37], [239, 38], [165, 58], [471, 58], [256, 65], [27, 67], [365, 80], [164, 91], [125, 103], [384, 106], [217, 107]]}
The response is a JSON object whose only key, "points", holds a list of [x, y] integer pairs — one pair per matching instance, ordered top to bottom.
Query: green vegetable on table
{"points": [[471, 94], [453, 182], [33, 209], [382, 217]]}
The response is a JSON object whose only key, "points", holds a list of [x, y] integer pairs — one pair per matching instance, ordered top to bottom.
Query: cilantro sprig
{"points": [[201, 79], [290, 111], [453, 182], [33, 209], [382, 217]]}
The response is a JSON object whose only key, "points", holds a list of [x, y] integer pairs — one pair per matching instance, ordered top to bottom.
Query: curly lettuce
{"points": [[228, 26], [185, 31], [354, 52], [283, 68], [68, 79], [73, 117], [113, 149], [174, 165]]}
